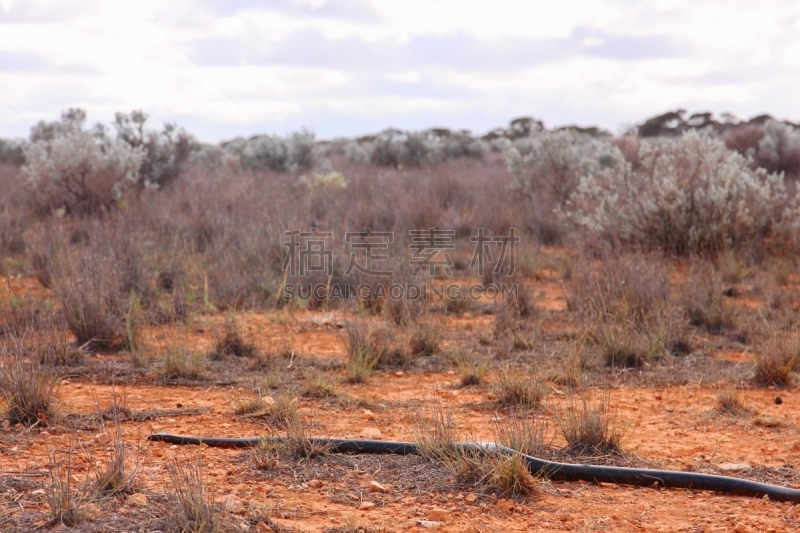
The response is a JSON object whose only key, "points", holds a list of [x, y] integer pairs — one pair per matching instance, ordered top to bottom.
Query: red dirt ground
{"points": [[675, 427]]}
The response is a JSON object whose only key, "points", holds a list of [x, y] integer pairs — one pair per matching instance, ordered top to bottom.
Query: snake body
{"points": [[553, 470]]}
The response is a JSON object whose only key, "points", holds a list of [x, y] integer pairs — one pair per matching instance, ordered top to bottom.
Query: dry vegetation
{"points": [[162, 271]]}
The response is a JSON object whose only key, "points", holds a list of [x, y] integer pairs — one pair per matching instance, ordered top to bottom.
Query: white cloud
{"points": [[347, 67]]}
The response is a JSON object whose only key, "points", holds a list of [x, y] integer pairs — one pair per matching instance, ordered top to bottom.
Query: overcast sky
{"points": [[339, 67]]}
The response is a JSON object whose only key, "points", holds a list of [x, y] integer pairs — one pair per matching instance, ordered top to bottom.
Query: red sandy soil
{"points": [[674, 427]]}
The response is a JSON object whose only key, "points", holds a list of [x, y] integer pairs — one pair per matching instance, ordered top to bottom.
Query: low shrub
{"points": [[166, 153], [284, 154], [550, 164], [77, 171], [687, 194]]}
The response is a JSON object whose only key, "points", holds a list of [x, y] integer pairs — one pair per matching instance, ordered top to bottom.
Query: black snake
{"points": [[550, 469]]}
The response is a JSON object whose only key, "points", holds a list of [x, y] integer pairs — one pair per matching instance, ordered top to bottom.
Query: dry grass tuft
{"points": [[731, 267], [781, 269], [633, 289], [625, 303], [705, 303], [521, 304], [93, 306], [456, 306], [404, 312], [24, 315], [514, 319], [425, 339], [231, 341], [48, 344], [679, 344], [390, 345], [621, 345], [369, 346], [278, 348], [54, 349], [361, 356], [775, 360], [181, 362], [570, 369], [471, 370], [318, 385], [514, 388], [28, 391], [732, 402], [249, 405], [277, 411], [766, 421], [589, 427], [523, 432], [434, 433], [299, 444], [268, 453], [265, 455], [115, 469], [495, 472], [116, 474], [507, 475], [510, 476], [63, 498], [195, 511]]}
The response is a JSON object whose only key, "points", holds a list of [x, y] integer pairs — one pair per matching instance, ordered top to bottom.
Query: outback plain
{"points": [[625, 300]]}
